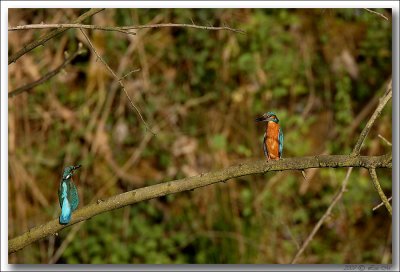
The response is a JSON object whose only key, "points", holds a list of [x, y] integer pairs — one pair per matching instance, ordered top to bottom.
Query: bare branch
{"points": [[377, 13], [187, 25], [60, 26], [123, 29], [49, 36], [46, 77], [118, 79], [186, 184], [377, 185], [381, 204], [323, 218]]}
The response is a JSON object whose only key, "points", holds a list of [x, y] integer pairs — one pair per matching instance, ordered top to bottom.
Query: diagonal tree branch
{"points": [[377, 13], [49, 36], [46, 77], [118, 79], [385, 140], [356, 151], [186, 184], [382, 195], [335, 200]]}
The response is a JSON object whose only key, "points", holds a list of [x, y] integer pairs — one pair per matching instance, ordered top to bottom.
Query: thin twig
{"points": [[377, 13], [187, 25], [60, 26], [123, 29], [49, 36], [127, 74], [46, 77], [118, 79], [385, 140], [199, 181], [378, 187], [381, 204], [323, 218], [71, 235]]}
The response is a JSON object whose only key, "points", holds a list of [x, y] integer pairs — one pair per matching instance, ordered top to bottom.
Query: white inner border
{"points": [[5, 5]]}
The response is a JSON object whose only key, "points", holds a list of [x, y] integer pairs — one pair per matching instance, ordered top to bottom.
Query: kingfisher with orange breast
{"points": [[273, 136]]}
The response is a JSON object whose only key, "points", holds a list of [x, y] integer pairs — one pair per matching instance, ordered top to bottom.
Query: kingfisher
{"points": [[273, 136], [68, 194]]}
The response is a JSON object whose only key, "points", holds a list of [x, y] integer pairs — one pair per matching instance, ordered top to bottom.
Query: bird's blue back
{"points": [[67, 195], [66, 212]]}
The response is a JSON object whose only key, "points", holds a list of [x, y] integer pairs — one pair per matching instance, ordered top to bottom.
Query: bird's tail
{"points": [[66, 212]]}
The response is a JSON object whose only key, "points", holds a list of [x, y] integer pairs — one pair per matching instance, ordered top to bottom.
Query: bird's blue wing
{"points": [[280, 139], [265, 145], [73, 196]]}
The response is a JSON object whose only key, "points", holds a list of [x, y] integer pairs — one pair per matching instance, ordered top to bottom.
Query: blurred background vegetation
{"points": [[321, 70]]}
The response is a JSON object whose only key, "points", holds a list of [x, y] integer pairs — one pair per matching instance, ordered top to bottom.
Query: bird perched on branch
{"points": [[273, 136], [68, 194]]}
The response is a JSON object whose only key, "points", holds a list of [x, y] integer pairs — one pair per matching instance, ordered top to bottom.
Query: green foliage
{"points": [[343, 107], [218, 142], [243, 150], [137, 240]]}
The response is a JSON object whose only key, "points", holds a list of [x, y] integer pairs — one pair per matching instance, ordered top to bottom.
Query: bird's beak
{"points": [[260, 119], [263, 119], [77, 166]]}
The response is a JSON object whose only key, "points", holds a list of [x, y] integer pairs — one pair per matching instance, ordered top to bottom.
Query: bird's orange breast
{"points": [[272, 140]]}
